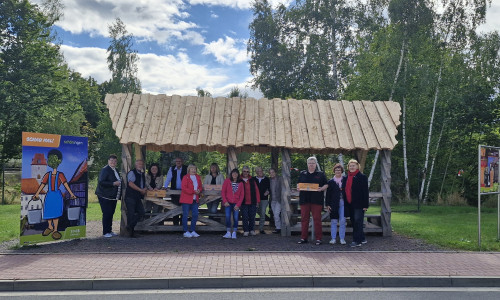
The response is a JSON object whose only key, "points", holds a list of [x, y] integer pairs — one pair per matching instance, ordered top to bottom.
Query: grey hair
{"points": [[313, 158], [245, 168], [258, 168]]}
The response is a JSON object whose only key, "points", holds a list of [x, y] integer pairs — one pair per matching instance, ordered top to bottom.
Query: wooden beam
{"points": [[361, 156], [274, 158], [232, 160], [126, 167], [286, 189], [385, 204]]}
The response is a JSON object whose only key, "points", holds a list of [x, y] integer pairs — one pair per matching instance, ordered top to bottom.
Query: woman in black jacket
{"points": [[356, 194], [335, 204]]}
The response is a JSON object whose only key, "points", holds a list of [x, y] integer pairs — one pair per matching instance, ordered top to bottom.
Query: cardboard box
{"points": [[308, 186], [157, 193]]}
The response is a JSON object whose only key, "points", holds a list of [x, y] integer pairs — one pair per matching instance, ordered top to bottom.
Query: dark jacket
{"points": [[173, 182], [264, 185], [105, 187], [131, 193], [360, 193], [312, 197], [333, 198]]}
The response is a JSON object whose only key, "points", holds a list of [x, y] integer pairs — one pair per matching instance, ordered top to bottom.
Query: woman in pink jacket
{"points": [[232, 196], [190, 197]]}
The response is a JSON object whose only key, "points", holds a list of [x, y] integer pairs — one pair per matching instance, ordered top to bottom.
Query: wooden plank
{"points": [[111, 102], [228, 105], [119, 109], [294, 110], [395, 110], [164, 115], [311, 115], [123, 116], [137, 116], [131, 117], [180, 118], [386, 118], [147, 119], [155, 119], [171, 119], [340, 120], [352, 120], [187, 121], [204, 121], [218, 121], [233, 122], [256, 122], [211, 123], [279, 123], [242, 124], [327, 124], [272, 125], [303, 125], [366, 126], [378, 126], [195, 127], [288, 132], [264, 135], [248, 138], [232, 160], [286, 187], [385, 204]]}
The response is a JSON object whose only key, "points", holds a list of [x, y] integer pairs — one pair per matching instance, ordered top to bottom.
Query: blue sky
{"points": [[182, 44]]}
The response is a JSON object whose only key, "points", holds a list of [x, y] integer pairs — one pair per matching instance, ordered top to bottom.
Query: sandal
{"points": [[47, 231], [56, 235], [302, 241]]}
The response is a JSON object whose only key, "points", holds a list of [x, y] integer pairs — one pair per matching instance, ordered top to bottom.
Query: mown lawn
{"points": [[10, 214]]}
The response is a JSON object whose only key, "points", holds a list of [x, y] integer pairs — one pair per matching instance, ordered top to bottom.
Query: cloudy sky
{"points": [[182, 44]]}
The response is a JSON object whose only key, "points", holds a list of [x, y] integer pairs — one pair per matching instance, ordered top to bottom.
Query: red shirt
{"points": [[61, 180], [248, 193]]}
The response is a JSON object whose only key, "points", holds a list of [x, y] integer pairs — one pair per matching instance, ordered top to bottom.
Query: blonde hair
{"points": [[353, 161], [190, 167]]}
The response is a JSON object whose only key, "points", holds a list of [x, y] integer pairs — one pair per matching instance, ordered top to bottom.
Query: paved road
{"points": [[274, 294]]}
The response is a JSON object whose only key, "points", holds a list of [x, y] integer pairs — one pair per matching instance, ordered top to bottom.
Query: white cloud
{"points": [[240, 4], [213, 15], [492, 18], [155, 20], [226, 50], [88, 61]]}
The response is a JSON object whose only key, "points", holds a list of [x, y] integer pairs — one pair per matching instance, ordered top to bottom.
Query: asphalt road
{"points": [[274, 294]]}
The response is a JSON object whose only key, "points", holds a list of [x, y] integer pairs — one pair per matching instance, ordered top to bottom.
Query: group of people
{"points": [[346, 196]]}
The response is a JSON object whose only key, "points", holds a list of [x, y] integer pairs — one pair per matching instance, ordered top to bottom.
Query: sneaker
{"points": [[245, 233], [252, 233], [113, 234], [187, 234], [194, 234], [108, 235], [227, 235], [233, 235], [302, 241], [332, 241], [318, 242], [342, 242], [364, 242], [354, 244]]}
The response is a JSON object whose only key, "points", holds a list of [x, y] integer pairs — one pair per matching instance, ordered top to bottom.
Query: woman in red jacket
{"points": [[190, 197], [232, 197]]}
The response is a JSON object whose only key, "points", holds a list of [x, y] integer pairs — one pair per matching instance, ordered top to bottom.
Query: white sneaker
{"points": [[245, 233], [252, 233], [113, 234], [187, 234], [194, 234], [108, 235], [227, 235], [233, 236], [333, 241], [342, 241], [364, 242]]}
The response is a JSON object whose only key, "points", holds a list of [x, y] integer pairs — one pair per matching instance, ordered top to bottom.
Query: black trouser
{"points": [[175, 200], [108, 210], [135, 211], [357, 220]]}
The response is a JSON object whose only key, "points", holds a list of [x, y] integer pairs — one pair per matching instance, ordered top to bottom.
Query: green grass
{"points": [[10, 214], [453, 227]]}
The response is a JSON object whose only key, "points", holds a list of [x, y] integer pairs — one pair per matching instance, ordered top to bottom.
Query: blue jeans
{"points": [[212, 206], [230, 209], [248, 212], [194, 215], [357, 218], [342, 222]]}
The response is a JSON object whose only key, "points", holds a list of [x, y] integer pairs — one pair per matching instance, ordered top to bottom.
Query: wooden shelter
{"points": [[231, 125]]}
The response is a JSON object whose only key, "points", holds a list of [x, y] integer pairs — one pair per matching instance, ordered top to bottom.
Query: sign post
{"points": [[488, 183]]}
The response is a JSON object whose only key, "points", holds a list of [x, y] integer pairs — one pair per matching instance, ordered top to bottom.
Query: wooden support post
{"points": [[140, 152], [361, 156], [274, 158], [232, 160], [126, 167], [286, 192], [385, 211]]}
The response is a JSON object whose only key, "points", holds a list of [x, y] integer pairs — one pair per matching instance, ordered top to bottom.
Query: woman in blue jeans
{"points": [[356, 194], [232, 196], [335, 204]]}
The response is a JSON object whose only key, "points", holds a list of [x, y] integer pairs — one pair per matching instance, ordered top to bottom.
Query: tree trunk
{"points": [[396, 77], [405, 159], [432, 165], [446, 170], [424, 171]]}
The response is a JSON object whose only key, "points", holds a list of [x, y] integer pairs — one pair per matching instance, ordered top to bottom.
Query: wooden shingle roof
{"points": [[188, 123]]}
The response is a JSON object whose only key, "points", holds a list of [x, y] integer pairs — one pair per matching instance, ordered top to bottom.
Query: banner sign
{"points": [[489, 170], [54, 187]]}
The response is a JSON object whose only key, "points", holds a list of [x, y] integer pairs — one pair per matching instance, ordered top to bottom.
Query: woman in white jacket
{"points": [[214, 178]]}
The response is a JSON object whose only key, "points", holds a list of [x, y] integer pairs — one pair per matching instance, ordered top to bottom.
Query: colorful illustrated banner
{"points": [[489, 170], [54, 188]]}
